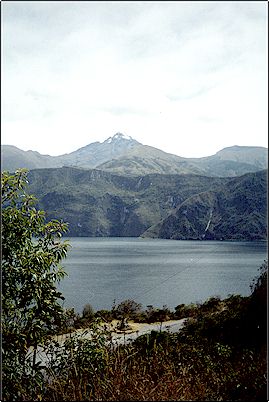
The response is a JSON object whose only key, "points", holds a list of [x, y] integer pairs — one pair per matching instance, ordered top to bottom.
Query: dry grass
{"points": [[175, 373]]}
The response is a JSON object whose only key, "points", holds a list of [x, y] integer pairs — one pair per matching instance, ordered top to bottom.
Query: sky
{"points": [[189, 78]]}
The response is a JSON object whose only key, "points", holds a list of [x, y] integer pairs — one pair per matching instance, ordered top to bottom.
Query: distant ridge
{"points": [[124, 155]]}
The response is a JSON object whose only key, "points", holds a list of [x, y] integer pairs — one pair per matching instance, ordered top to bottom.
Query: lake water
{"points": [[157, 272]]}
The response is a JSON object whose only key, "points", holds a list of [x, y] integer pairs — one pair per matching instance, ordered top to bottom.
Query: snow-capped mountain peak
{"points": [[119, 136]]}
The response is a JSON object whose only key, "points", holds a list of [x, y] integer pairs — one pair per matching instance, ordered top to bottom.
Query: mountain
{"points": [[97, 153], [123, 155], [253, 155], [89, 156], [13, 158], [143, 159], [234, 161], [228, 162], [98, 203], [237, 210]]}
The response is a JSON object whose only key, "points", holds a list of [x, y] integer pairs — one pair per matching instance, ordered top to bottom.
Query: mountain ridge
{"points": [[124, 155], [103, 204]]}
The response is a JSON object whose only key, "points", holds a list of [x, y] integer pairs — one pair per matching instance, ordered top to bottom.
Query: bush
{"points": [[186, 310], [105, 315], [76, 365]]}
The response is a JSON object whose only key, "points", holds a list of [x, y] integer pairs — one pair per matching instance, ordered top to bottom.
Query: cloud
{"points": [[195, 71], [184, 93]]}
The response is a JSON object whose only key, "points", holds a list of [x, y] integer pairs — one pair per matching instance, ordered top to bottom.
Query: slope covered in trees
{"points": [[98, 203], [235, 211]]}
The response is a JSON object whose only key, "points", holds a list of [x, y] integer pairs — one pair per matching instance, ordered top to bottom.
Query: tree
{"points": [[31, 253], [125, 310], [88, 312]]}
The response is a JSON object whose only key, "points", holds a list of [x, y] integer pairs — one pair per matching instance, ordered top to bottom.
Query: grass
{"points": [[166, 369]]}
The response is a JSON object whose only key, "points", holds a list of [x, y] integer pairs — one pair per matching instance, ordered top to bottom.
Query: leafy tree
{"points": [[31, 253], [125, 310]]}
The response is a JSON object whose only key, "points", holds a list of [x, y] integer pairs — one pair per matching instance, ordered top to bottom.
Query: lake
{"points": [[157, 272]]}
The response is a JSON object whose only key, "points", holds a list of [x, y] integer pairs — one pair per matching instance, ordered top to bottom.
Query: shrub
{"points": [[105, 315]]}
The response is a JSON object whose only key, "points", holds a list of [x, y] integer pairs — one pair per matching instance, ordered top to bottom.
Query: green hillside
{"points": [[98, 203], [235, 211]]}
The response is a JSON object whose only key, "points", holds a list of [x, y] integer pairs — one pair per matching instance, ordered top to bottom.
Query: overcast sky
{"points": [[188, 77]]}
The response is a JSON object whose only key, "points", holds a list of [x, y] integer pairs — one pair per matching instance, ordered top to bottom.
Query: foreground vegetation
{"points": [[220, 354]]}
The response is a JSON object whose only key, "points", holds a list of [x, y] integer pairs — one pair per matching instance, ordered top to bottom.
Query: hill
{"points": [[13, 158], [143, 160], [228, 162], [98, 203], [235, 211]]}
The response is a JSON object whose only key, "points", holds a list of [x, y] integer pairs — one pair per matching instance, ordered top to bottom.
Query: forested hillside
{"points": [[98, 203], [235, 211]]}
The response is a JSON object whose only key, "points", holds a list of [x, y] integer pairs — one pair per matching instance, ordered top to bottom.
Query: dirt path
{"points": [[135, 329], [117, 337]]}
